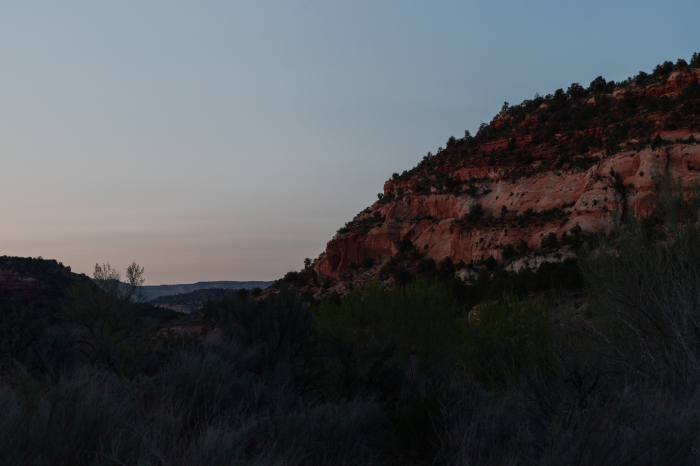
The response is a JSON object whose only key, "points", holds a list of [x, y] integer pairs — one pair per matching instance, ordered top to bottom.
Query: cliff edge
{"points": [[528, 186]]}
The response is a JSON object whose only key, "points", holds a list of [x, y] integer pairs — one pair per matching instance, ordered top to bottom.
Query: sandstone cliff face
{"points": [[559, 165], [590, 197]]}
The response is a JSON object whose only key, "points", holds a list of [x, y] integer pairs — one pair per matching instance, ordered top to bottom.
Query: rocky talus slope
{"points": [[528, 186]]}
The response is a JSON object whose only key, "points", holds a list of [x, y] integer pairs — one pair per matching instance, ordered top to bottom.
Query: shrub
{"points": [[695, 60], [665, 68], [641, 78], [597, 85], [576, 91], [691, 91], [651, 103], [564, 158], [475, 213], [550, 241], [404, 245], [522, 247], [509, 252], [490, 263], [426, 266], [446, 269], [567, 274], [402, 275], [291, 276], [648, 289], [242, 294], [168, 316], [419, 317], [21, 328], [280, 328], [505, 339], [78, 421], [481, 427], [647, 427], [331, 433]]}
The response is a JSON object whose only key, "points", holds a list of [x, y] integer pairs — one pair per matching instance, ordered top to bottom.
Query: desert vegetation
{"points": [[573, 126], [594, 360]]}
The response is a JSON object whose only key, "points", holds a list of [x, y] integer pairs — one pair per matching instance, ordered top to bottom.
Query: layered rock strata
{"points": [[573, 162], [588, 198]]}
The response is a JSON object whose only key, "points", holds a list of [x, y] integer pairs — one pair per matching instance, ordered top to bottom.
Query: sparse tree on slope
{"points": [[105, 316]]}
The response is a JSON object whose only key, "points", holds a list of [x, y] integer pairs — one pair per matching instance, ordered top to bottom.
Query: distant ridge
{"points": [[153, 292]]}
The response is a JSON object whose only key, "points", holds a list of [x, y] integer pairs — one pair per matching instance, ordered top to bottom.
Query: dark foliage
{"points": [[550, 241]]}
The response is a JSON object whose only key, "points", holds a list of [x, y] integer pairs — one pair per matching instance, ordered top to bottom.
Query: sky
{"points": [[229, 140]]}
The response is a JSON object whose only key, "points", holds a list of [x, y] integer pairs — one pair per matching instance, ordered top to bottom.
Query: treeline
{"points": [[567, 111]]}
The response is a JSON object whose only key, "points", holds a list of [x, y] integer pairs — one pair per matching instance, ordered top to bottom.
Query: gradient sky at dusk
{"points": [[216, 140]]}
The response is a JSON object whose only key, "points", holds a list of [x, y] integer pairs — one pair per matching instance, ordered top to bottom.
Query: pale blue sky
{"points": [[230, 140]]}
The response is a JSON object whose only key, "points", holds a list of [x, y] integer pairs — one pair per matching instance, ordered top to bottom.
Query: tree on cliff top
{"points": [[104, 313]]}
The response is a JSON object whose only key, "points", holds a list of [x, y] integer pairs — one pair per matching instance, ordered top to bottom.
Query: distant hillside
{"points": [[39, 282], [153, 292], [194, 301]]}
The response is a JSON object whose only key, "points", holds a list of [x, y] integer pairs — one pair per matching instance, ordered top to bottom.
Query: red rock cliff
{"points": [[581, 158], [588, 197]]}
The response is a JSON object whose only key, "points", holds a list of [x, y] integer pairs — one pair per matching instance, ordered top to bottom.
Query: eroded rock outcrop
{"points": [[570, 163], [592, 198]]}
